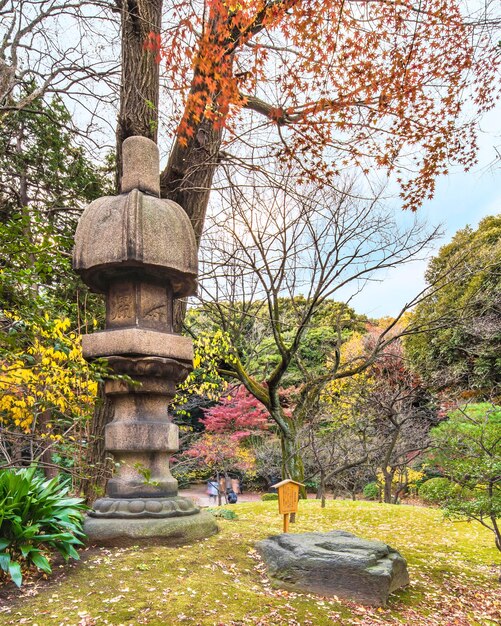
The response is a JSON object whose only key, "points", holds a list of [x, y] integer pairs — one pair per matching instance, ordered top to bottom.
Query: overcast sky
{"points": [[461, 198]]}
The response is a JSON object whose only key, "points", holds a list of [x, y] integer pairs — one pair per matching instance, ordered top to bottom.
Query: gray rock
{"points": [[336, 563]]}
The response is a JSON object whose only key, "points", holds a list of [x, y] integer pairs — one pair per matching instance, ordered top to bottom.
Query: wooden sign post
{"points": [[288, 498]]}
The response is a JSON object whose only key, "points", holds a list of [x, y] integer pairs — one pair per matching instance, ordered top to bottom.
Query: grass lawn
{"points": [[454, 568]]}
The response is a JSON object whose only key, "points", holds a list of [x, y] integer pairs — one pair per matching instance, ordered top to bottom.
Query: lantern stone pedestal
{"points": [[140, 251]]}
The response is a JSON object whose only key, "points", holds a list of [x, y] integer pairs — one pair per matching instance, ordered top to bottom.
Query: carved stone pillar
{"points": [[140, 252]]}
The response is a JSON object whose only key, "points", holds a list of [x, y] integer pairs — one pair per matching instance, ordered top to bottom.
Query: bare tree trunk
{"points": [[139, 90], [187, 179], [292, 463], [97, 467], [49, 469], [388, 474], [388, 479], [322, 487], [401, 488], [319, 494], [219, 495], [493, 517], [497, 533]]}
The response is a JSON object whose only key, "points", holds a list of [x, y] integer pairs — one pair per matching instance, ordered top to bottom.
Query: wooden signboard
{"points": [[288, 498]]}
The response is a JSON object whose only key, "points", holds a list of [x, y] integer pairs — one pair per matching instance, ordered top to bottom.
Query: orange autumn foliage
{"points": [[334, 84]]}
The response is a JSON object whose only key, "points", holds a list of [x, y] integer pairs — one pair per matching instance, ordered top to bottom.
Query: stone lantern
{"points": [[140, 252]]}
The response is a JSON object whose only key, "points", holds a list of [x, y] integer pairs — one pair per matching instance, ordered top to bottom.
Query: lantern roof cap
{"points": [[137, 234], [286, 482]]}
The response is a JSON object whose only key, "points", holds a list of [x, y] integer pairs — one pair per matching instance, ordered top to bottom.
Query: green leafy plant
{"points": [[467, 448], [145, 473], [186, 474], [311, 486], [438, 490], [372, 491], [269, 496], [224, 513], [36, 518]]}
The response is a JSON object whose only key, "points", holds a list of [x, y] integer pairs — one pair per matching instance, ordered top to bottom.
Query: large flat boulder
{"points": [[336, 563]]}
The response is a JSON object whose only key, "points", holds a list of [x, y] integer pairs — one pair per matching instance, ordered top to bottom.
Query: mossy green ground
{"points": [[220, 581]]}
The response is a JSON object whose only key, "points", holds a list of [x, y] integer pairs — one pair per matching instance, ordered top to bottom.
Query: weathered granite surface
{"points": [[140, 164], [140, 252], [166, 531], [336, 563]]}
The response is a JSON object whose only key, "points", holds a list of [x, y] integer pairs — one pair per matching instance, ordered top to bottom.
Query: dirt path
{"points": [[198, 493]]}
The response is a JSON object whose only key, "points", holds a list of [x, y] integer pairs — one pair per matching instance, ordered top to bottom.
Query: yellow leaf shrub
{"points": [[50, 375]]}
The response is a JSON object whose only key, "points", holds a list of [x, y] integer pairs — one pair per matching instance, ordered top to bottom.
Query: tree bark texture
{"points": [[139, 90], [187, 178], [292, 462], [97, 467], [49, 469], [388, 480], [322, 487]]}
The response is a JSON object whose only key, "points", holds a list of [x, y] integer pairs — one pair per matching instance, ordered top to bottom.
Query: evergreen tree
{"points": [[461, 351], [47, 391]]}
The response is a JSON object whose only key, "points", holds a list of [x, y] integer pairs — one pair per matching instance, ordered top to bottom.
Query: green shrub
{"points": [[467, 448], [187, 476], [311, 486], [437, 490], [372, 491], [269, 496], [224, 513], [36, 517]]}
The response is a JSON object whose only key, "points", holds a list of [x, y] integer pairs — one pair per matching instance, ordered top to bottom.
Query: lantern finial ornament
{"points": [[140, 164]]}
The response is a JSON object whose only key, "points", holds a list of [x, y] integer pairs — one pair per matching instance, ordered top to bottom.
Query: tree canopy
{"points": [[328, 86], [461, 350], [47, 391], [467, 449]]}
